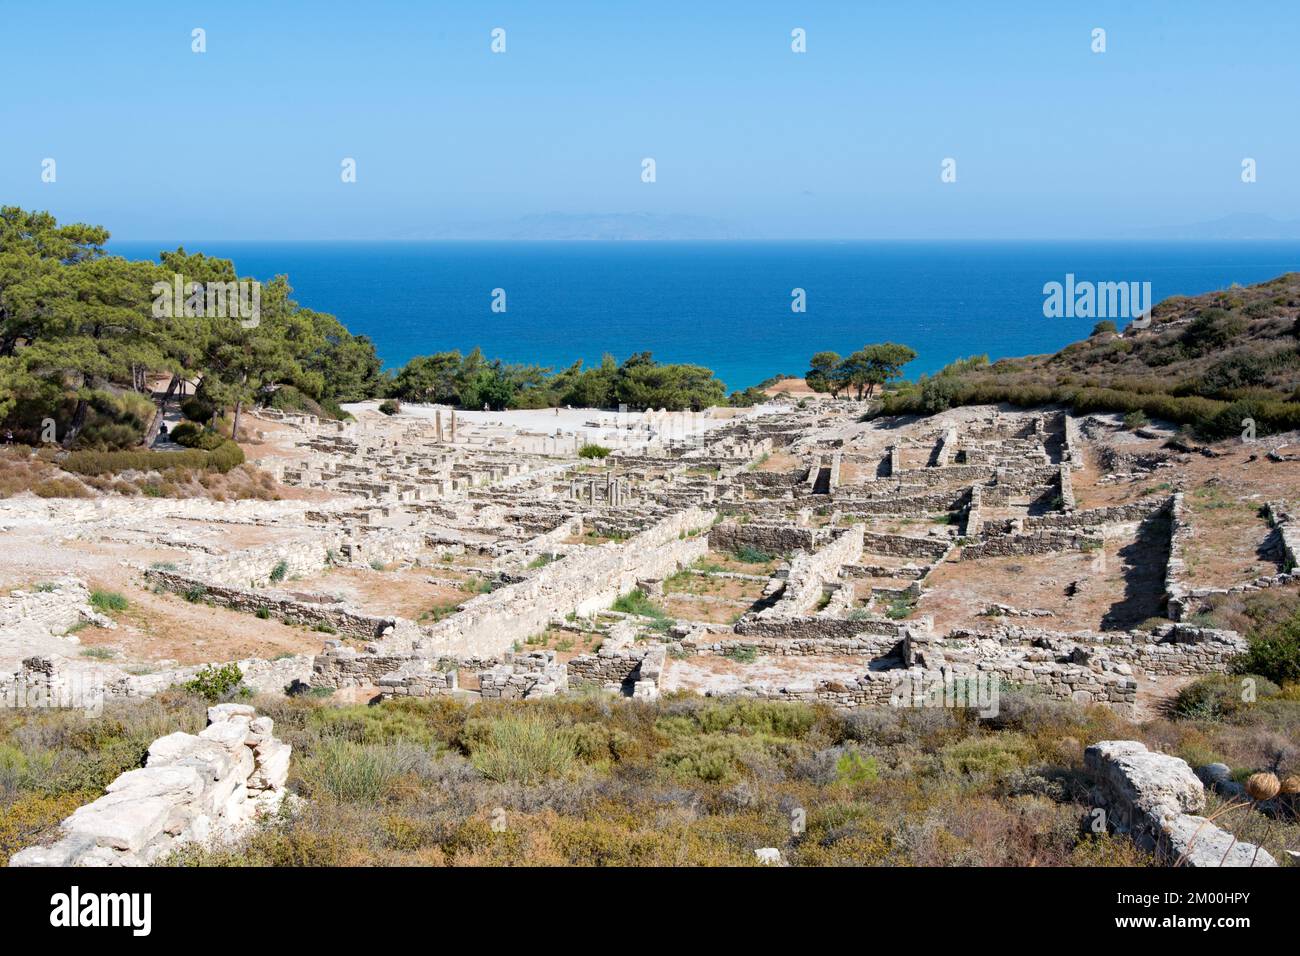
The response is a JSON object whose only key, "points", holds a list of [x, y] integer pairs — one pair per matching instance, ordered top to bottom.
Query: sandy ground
{"points": [[793, 387], [1119, 586], [720, 675]]}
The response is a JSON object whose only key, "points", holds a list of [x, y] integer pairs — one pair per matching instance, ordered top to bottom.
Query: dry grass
{"points": [[23, 469], [683, 781]]}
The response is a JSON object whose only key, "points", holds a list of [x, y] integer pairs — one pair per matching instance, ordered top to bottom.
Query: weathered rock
{"points": [[1155, 797], [121, 821]]}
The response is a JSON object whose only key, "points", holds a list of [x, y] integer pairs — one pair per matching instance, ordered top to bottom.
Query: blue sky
{"points": [[1051, 140]]}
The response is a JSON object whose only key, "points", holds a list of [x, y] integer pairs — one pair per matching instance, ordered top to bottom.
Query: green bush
{"points": [[390, 406], [197, 410], [1135, 420], [193, 436], [593, 451], [222, 459], [278, 572], [105, 601], [636, 602], [1274, 652], [741, 654], [216, 683], [1218, 696], [525, 749], [994, 756], [361, 773]]}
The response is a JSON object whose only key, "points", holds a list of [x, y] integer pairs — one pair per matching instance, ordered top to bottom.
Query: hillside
{"points": [[1207, 361]]}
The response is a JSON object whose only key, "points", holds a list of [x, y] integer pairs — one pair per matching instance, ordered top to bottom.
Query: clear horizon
{"points": [[845, 141]]}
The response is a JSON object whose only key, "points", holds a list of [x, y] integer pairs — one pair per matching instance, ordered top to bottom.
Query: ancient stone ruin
{"points": [[193, 788]]}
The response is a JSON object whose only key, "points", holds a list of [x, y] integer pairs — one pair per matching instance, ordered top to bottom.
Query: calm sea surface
{"points": [[722, 304]]}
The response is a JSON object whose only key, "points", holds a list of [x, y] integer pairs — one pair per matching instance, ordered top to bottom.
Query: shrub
{"points": [[1105, 325], [939, 393], [390, 406], [197, 410], [1135, 419], [192, 436], [593, 451], [222, 459], [747, 555], [278, 572], [105, 601], [636, 602], [900, 609], [741, 654], [1275, 654], [215, 683], [1217, 696], [526, 749], [994, 756], [715, 758], [852, 768], [364, 773]]}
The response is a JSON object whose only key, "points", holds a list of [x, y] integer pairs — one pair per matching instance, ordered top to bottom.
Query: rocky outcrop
{"points": [[193, 788], [1156, 798]]}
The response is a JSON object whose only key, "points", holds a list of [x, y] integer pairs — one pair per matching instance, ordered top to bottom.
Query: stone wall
{"points": [[1066, 483], [1093, 517], [1180, 534], [771, 539], [1039, 542], [904, 546], [810, 573], [582, 583], [52, 609], [348, 622], [805, 628], [857, 645], [609, 665], [341, 666], [192, 789], [1155, 798]]}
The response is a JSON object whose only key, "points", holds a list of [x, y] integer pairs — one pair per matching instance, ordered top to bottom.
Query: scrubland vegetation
{"points": [[1208, 361], [591, 780]]}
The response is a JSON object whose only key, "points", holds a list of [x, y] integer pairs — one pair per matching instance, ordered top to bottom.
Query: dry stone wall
{"points": [[193, 788], [1155, 798]]}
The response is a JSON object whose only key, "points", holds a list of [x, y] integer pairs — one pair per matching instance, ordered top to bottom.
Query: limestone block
{"points": [[220, 712], [229, 733], [169, 749], [210, 758], [272, 766], [1147, 780], [180, 784], [216, 797], [121, 821], [1198, 842], [65, 852]]}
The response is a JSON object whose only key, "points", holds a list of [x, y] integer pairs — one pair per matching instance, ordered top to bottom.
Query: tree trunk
{"points": [[78, 422], [234, 427]]}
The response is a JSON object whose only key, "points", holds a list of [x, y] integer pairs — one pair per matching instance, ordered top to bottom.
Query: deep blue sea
{"points": [[725, 305]]}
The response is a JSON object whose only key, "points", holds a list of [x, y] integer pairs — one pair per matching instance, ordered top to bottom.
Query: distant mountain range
{"points": [[599, 226], [1237, 226]]}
